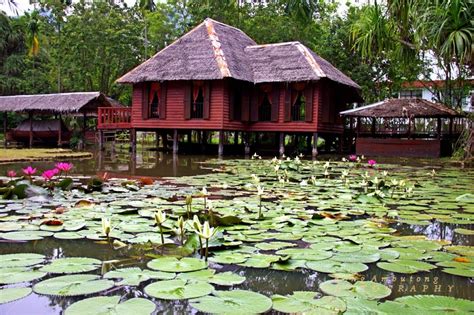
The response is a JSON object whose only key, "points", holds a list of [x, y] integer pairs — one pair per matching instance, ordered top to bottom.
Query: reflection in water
{"points": [[265, 281]]}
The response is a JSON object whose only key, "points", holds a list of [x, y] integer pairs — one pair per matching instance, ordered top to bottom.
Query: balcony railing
{"points": [[114, 118]]}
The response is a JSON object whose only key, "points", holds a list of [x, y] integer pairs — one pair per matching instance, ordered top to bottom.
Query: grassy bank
{"points": [[22, 155]]}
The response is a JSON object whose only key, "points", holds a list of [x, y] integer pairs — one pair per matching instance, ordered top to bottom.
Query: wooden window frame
{"points": [[161, 88], [189, 99]]}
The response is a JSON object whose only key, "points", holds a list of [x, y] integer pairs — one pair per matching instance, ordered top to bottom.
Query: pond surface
{"points": [[349, 221]]}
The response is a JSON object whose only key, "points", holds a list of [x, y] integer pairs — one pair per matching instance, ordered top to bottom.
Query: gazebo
{"points": [[84, 104], [408, 127]]}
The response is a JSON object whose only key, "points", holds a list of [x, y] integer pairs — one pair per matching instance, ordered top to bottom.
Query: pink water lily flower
{"points": [[352, 157], [371, 163], [64, 166], [29, 171], [11, 173], [49, 174]]}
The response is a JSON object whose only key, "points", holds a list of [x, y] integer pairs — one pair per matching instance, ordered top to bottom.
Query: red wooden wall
{"points": [[324, 114]]}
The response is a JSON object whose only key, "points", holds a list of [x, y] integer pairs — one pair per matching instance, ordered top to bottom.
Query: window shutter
{"points": [[164, 87], [231, 89], [308, 95], [187, 100], [207, 100], [246, 102], [275, 102], [254, 104], [288, 104], [145, 106]]}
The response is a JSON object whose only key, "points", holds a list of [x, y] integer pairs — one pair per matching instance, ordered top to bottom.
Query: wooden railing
{"points": [[114, 118]]}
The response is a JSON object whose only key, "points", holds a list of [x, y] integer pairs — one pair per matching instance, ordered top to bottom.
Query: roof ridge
{"points": [[226, 25], [273, 44], [217, 48], [310, 59], [51, 94]]}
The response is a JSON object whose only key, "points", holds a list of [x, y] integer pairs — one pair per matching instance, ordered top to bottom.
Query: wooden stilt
{"points": [[5, 122], [438, 127], [450, 127], [31, 129], [372, 130], [60, 131], [236, 138], [101, 140], [157, 140], [133, 141], [175, 141], [247, 143], [281, 148], [220, 150], [314, 151]]}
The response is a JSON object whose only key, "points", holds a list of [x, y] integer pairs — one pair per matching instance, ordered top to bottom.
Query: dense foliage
{"points": [[83, 46]]}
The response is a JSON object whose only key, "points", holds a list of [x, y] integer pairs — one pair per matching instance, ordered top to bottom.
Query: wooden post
{"points": [[5, 122], [374, 122], [84, 127], [409, 127], [438, 127], [450, 127], [31, 129], [60, 131], [236, 138], [157, 139], [101, 140], [133, 140], [175, 141], [247, 143], [281, 149], [220, 150], [314, 151]]}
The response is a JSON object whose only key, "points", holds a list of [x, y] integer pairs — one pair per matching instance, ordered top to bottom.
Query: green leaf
{"points": [[22, 259], [172, 264], [72, 265], [329, 266], [405, 266], [19, 274], [134, 276], [71, 285], [178, 289], [364, 289], [12, 294], [233, 302], [111, 305]]}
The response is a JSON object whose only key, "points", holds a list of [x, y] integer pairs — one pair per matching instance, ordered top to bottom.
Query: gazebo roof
{"points": [[56, 103], [403, 108]]}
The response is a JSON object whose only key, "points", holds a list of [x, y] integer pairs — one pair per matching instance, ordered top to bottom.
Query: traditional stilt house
{"points": [[216, 78]]}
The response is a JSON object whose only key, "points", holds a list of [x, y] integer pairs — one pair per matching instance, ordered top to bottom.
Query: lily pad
{"points": [[26, 235], [228, 258], [22, 259], [172, 264], [72, 265], [329, 266], [405, 266], [19, 274], [134, 276], [72, 285], [178, 289], [364, 289], [12, 294], [233, 302], [307, 302], [431, 304], [111, 305]]}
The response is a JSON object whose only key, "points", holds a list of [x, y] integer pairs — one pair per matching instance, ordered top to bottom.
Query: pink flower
{"points": [[352, 157], [371, 163], [64, 166], [29, 171], [55, 171], [11, 173], [49, 174]]}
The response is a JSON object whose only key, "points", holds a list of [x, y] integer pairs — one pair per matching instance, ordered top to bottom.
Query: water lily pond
{"points": [[280, 236]]}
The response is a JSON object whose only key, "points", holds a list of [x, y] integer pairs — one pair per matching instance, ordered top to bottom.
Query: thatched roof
{"points": [[213, 51], [292, 61], [55, 103], [402, 108]]}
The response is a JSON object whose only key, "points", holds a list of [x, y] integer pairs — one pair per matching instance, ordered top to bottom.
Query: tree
{"points": [[414, 32]]}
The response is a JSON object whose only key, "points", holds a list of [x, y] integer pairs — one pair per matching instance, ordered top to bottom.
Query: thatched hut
{"points": [[216, 78], [84, 104], [410, 127]]}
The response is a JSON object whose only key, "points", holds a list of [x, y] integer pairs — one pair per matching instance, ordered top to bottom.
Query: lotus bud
{"points": [[255, 179], [304, 183], [260, 190], [204, 191], [189, 200], [160, 217], [197, 224], [106, 227], [207, 231]]}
